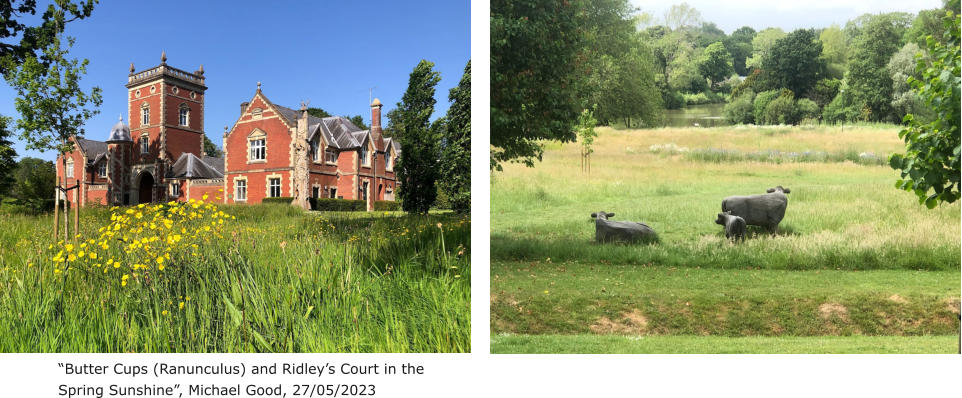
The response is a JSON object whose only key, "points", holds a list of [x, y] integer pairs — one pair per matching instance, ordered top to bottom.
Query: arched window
{"points": [[144, 114], [184, 115]]}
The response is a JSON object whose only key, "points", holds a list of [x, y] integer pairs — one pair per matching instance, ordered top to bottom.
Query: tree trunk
{"points": [[76, 211]]}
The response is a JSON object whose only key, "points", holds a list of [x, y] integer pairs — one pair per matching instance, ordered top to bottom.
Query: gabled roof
{"points": [[336, 131], [390, 142], [91, 148], [215, 163], [190, 166]]}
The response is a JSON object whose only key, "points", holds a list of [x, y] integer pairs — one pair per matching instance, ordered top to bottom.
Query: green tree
{"points": [[681, 16], [706, 34], [19, 41], [739, 44], [761, 44], [834, 51], [794, 62], [716, 63], [901, 67], [537, 70], [870, 84], [52, 105], [318, 112], [358, 121], [586, 135], [211, 149], [932, 152], [8, 158], [417, 167], [455, 167], [34, 184]]}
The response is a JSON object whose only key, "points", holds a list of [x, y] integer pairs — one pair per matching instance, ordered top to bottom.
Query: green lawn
{"points": [[854, 255], [265, 278], [589, 344]]}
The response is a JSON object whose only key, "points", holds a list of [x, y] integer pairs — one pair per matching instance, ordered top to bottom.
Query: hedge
{"points": [[278, 200], [330, 204]]}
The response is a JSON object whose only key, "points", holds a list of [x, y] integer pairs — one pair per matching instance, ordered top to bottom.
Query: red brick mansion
{"points": [[271, 151]]}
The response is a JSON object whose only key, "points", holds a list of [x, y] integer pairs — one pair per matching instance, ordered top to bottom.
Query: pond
{"points": [[708, 115]]}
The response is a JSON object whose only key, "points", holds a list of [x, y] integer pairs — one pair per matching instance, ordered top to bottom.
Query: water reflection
{"points": [[709, 115]]}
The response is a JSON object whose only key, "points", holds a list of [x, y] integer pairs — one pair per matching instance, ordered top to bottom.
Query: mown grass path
{"points": [[854, 255]]}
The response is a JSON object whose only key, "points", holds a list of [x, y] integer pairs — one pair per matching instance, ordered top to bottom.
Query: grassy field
{"points": [[854, 256], [265, 278]]}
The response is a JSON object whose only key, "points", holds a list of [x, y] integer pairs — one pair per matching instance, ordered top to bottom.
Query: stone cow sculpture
{"points": [[765, 210], [734, 225], [621, 231]]}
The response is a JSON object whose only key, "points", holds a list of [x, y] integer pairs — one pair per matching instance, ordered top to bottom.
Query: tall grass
{"points": [[275, 280]]}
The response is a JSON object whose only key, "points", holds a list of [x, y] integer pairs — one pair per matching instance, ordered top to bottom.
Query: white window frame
{"points": [[145, 115], [184, 115], [315, 150], [258, 151], [330, 155], [365, 156], [388, 160], [70, 168], [102, 170], [271, 186], [240, 190]]}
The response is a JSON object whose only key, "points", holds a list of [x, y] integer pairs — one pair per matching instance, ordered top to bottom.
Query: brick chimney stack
{"points": [[376, 132]]}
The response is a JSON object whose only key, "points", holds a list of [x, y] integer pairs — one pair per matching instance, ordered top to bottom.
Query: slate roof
{"points": [[93, 149], [215, 163], [190, 166]]}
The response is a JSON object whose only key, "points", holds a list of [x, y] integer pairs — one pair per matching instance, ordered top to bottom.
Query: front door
{"points": [[146, 188]]}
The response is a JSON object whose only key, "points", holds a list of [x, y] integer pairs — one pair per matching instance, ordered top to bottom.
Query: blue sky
{"points": [[328, 52]]}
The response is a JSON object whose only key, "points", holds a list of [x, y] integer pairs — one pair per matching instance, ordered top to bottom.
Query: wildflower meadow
{"points": [[199, 277]]}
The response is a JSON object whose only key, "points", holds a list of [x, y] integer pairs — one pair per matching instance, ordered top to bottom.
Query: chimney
{"points": [[244, 107], [376, 132]]}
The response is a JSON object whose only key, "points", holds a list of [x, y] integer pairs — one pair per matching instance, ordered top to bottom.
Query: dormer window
{"points": [[184, 114], [145, 115], [144, 144], [315, 154], [330, 155], [388, 161], [102, 170]]}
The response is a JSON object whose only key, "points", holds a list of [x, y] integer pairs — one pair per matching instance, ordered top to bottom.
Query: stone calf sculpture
{"points": [[765, 210], [734, 226], [621, 231]]}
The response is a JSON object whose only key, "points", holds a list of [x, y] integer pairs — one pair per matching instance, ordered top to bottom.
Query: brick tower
{"points": [[166, 114]]}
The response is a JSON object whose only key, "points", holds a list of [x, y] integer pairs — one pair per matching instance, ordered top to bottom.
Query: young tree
{"points": [[52, 106], [586, 134], [932, 152], [8, 155], [418, 164], [455, 167]]}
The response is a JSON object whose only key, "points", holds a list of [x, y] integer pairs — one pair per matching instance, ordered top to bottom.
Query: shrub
{"points": [[761, 101], [806, 109], [740, 110], [840, 110], [781, 111], [278, 200], [330, 204], [386, 205]]}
